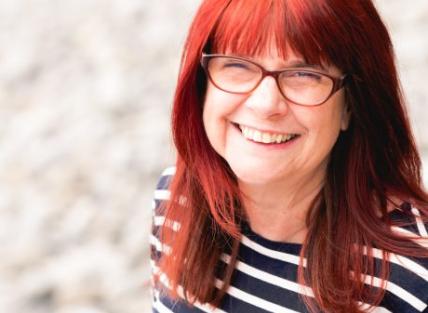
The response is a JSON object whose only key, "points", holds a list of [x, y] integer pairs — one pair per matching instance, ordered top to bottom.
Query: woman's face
{"points": [[234, 123]]}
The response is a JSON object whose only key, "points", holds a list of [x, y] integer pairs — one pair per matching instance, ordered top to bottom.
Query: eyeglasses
{"points": [[241, 76]]}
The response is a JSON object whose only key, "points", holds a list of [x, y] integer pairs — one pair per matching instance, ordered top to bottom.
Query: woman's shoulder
{"points": [[165, 178], [162, 192], [160, 198], [409, 219], [406, 288]]}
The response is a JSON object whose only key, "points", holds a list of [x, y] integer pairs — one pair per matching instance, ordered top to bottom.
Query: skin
{"points": [[279, 182]]}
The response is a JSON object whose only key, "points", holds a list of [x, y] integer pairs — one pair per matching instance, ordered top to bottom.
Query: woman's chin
{"points": [[257, 175]]}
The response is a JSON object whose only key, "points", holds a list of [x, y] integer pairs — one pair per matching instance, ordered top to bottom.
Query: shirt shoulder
{"points": [[162, 192], [160, 198], [408, 219], [406, 289]]}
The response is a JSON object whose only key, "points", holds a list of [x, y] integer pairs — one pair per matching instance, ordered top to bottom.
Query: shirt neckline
{"points": [[283, 246], [290, 247]]}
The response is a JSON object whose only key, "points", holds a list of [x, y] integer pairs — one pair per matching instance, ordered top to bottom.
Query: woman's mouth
{"points": [[265, 137]]}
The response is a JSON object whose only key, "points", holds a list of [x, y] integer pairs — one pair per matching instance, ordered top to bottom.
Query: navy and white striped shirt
{"points": [[265, 278]]}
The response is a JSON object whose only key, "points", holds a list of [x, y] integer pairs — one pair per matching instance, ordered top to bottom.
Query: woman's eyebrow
{"points": [[295, 63], [303, 64]]}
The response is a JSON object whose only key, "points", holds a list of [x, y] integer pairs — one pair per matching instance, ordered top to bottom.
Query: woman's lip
{"points": [[238, 125], [270, 143]]}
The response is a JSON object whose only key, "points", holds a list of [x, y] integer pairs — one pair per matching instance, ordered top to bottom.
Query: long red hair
{"points": [[374, 159]]}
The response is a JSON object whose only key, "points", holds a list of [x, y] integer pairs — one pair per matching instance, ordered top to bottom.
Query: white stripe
{"points": [[169, 171], [162, 194], [165, 194], [160, 220], [421, 227], [404, 231], [412, 236], [161, 247], [282, 256], [402, 261], [155, 268], [270, 278], [396, 290], [235, 292], [256, 301], [160, 307], [204, 307], [207, 308], [374, 309]]}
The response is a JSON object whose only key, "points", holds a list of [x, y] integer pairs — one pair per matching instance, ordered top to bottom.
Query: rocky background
{"points": [[85, 94]]}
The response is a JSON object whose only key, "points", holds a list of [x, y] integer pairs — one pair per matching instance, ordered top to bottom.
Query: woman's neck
{"points": [[277, 211]]}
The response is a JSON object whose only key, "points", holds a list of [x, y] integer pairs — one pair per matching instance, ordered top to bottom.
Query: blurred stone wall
{"points": [[85, 94]]}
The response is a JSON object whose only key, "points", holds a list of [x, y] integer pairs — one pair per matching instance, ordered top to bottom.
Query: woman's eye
{"points": [[238, 65], [308, 75]]}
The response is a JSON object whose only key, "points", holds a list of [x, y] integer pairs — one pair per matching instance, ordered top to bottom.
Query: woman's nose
{"points": [[267, 100]]}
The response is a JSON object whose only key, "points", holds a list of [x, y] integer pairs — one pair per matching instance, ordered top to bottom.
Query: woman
{"points": [[297, 186]]}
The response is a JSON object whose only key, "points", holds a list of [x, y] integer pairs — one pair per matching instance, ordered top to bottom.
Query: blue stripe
{"points": [[164, 182], [262, 262], [269, 292], [396, 304], [179, 305], [234, 305]]}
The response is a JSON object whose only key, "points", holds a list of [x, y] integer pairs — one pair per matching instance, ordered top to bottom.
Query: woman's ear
{"points": [[346, 117]]}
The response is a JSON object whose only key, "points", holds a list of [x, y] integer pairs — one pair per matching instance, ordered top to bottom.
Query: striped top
{"points": [[265, 278]]}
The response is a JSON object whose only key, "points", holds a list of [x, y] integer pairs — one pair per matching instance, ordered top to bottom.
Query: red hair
{"points": [[374, 159]]}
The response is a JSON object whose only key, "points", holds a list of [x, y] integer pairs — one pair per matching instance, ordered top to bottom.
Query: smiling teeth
{"points": [[258, 136]]}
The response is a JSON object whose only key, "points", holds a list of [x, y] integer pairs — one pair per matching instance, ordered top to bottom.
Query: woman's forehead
{"points": [[273, 44], [262, 47], [284, 56]]}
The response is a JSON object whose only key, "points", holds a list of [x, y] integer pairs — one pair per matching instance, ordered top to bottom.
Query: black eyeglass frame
{"points": [[338, 82]]}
